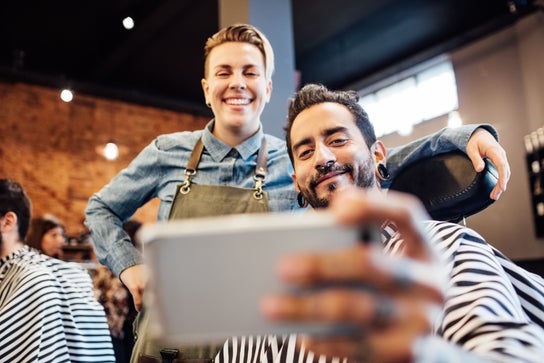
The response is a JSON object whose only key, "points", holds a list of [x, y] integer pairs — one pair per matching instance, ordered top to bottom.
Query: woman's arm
{"points": [[478, 141]]}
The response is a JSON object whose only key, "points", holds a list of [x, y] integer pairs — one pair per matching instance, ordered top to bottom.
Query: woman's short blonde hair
{"points": [[242, 33]]}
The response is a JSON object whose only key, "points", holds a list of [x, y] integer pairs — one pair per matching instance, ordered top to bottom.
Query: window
{"points": [[427, 94]]}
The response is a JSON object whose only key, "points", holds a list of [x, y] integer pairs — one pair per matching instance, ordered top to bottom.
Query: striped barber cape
{"points": [[494, 310], [48, 312]]}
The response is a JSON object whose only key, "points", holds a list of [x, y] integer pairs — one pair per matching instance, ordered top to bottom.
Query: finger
{"points": [[477, 145], [498, 157], [477, 160], [496, 192], [355, 206], [351, 264], [363, 265], [425, 280], [137, 298], [357, 308], [391, 343], [394, 345], [392, 348], [356, 349]]}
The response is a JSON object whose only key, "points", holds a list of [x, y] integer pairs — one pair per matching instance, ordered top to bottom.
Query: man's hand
{"points": [[483, 145], [134, 278], [390, 300]]}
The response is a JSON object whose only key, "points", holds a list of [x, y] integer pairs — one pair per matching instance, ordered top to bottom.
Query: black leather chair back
{"points": [[448, 185]]}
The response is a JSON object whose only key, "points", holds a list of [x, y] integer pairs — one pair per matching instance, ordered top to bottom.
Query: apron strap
{"points": [[195, 156], [262, 159], [192, 164], [260, 169]]}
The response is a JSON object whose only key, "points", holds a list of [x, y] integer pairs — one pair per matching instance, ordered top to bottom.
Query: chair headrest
{"points": [[448, 185]]}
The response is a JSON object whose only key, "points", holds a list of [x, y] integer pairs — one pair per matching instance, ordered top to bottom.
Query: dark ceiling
{"points": [[339, 43]]}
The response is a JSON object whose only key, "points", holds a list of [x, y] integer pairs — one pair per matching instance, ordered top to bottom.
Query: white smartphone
{"points": [[207, 276]]}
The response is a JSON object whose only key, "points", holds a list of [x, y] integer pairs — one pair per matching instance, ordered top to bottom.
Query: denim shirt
{"points": [[160, 167]]}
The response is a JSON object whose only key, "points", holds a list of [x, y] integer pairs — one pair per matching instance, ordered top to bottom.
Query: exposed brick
{"points": [[49, 146]]}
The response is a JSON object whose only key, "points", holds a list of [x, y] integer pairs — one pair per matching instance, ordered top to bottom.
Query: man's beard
{"points": [[365, 178]]}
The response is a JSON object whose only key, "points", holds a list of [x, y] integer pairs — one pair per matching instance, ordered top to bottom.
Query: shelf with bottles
{"points": [[534, 148]]}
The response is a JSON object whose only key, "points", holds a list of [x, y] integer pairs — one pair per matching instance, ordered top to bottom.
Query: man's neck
{"points": [[8, 248]]}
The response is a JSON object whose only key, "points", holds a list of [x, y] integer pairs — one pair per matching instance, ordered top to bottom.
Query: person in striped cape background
{"points": [[47, 309]]}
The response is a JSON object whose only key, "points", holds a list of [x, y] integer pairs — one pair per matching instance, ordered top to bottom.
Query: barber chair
{"points": [[448, 185]]}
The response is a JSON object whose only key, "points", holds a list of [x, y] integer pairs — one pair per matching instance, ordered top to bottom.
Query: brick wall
{"points": [[49, 146]]}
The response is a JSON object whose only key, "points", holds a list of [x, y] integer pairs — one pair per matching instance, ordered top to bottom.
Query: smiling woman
{"points": [[237, 89], [213, 171]]}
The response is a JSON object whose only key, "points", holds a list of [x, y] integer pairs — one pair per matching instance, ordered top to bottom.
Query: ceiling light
{"points": [[128, 23], [66, 95], [111, 151]]}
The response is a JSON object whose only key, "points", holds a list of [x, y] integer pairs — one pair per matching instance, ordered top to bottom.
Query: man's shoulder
{"points": [[440, 231], [446, 237], [31, 264], [29, 269]]}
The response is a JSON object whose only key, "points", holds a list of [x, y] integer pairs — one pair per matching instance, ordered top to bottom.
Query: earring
{"points": [[209, 105], [383, 173], [302, 203]]}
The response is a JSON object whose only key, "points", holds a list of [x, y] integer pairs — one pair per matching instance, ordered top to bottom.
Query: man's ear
{"points": [[379, 152], [294, 177], [8, 222]]}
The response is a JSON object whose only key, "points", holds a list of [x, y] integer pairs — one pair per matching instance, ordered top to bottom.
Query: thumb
{"points": [[477, 161]]}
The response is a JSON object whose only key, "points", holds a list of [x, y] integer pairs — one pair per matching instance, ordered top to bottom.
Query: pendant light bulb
{"points": [[111, 151]]}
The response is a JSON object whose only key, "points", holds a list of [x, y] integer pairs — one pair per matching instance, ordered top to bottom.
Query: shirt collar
{"points": [[219, 150], [15, 254]]}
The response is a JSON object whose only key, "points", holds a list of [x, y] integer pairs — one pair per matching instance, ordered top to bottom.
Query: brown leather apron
{"points": [[192, 201]]}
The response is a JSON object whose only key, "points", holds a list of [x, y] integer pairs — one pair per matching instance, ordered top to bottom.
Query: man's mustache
{"points": [[328, 169]]}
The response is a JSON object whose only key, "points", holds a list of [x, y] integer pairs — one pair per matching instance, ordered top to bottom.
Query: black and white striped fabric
{"points": [[494, 309], [48, 312], [268, 349]]}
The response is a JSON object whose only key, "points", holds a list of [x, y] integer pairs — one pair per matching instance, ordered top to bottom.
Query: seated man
{"points": [[47, 309], [493, 310]]}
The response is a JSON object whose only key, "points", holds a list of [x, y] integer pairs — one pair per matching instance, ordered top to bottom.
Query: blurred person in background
{"points": [[48, 235], [47, 309]]}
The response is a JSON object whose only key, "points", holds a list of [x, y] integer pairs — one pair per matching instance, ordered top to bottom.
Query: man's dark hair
{"points": [[313, 94], [14, 199]]}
